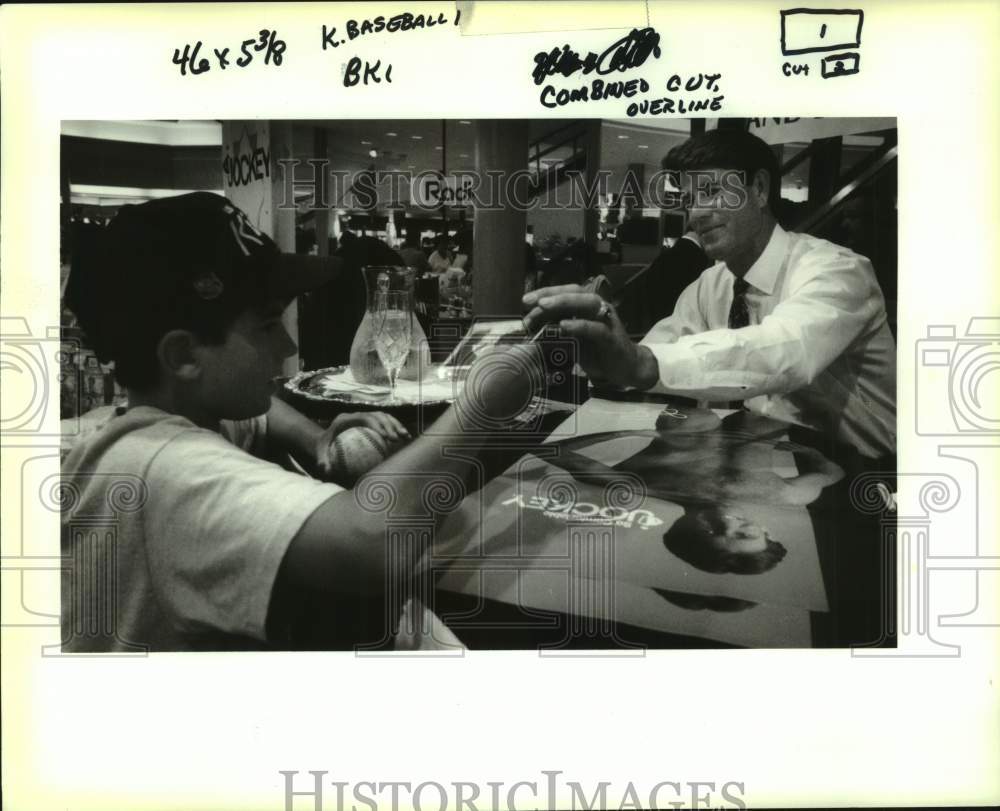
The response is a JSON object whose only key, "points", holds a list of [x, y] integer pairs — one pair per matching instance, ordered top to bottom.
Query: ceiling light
{"points": [[463, 121], [164, 133], [391, 134], [417, 137], [622, 137], [366, 143], [642, 146], [439, 148], [372, 153], [463, 155], [124, 191]]}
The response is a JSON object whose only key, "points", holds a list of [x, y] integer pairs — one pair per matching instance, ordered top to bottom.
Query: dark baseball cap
{"points": [[176, 261]]}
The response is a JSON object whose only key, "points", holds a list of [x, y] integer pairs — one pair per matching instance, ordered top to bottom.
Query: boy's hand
{"points": [[386, 424], [390, 429]]}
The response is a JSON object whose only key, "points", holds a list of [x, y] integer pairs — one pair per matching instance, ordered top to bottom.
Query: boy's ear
{"points": [[177, 355]]}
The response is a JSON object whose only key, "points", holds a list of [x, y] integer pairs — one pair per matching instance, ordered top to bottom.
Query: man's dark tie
{"points": [[739, 312], [739, 316]]}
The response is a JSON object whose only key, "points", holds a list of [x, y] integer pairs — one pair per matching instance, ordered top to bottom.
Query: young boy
{"points": [[176, 536]]}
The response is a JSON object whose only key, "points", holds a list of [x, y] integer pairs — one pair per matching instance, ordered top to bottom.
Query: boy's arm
{"points": [[292, 432], [342, 547]]}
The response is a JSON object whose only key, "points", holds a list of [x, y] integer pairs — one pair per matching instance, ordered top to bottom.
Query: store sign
{"points": [[787, 130], [246, 159], [246, 170], [433, 190]]}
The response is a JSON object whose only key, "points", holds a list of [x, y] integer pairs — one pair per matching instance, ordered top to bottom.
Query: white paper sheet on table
{"points": [[430, 389], [596, 416], [420, 629]]}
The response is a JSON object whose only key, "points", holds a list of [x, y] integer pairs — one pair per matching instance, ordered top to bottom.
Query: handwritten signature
{"points": [[630, 51]]}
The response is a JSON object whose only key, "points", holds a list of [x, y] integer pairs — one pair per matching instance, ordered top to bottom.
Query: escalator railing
{"points": [[554, 154], [823, 212]]}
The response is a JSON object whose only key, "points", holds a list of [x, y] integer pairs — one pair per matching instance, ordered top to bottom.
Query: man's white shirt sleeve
{"points": [[830, 298]]}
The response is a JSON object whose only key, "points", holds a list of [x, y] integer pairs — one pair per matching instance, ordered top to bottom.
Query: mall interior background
{"points": [[838, 182]]}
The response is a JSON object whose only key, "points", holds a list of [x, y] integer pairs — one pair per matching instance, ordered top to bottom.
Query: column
{"points": [[322, 214], [592, 214], [499, 236]]}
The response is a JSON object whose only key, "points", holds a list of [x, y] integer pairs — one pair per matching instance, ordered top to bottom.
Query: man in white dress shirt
{"points": [[792, 325]]}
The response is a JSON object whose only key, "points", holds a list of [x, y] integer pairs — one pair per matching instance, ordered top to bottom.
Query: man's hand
{"points": [[607, 354], [391, 429]]}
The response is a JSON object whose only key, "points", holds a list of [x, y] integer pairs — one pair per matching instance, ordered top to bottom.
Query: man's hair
{"points": [[729, 149], [688, 539]]}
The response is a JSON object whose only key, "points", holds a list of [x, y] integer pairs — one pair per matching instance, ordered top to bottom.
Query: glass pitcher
{"points": [[365, 364]]}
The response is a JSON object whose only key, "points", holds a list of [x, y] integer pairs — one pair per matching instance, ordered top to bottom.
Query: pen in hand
{"points": [[534, 339]]}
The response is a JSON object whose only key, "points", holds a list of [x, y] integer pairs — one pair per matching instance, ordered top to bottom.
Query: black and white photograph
{"points": [[289, 329], [499, 405]]}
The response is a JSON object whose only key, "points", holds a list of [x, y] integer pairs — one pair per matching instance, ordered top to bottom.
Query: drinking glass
{"points": [[393, 323]]}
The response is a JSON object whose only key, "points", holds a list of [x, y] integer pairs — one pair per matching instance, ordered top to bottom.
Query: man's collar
{"points": [[764, 272]]}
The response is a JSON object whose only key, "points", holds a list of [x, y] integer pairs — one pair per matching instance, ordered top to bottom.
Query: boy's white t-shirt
{"points": [[173, 534]]}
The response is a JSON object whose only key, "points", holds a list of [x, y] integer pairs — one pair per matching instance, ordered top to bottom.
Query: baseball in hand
{"points": [[357, 450]]}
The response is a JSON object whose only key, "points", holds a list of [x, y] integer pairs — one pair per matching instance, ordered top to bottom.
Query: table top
{"points": [[638, 519], [661, 523]]}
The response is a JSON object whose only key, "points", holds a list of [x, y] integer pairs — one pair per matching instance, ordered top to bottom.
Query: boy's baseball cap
{"points": [[167, 263]]}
